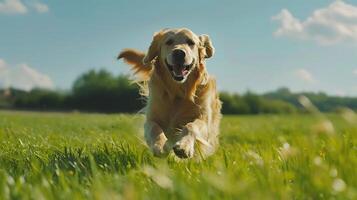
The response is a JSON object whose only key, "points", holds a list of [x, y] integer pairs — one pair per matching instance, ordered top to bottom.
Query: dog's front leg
{"points": [[196, 130], [156, 139]]}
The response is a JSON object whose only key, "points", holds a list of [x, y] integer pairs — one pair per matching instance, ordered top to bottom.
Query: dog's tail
{"points": [[135, 59], [143, 72]]}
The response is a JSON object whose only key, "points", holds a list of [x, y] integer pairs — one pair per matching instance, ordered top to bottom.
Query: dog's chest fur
{"points": [[172, 109], [171, 112]]}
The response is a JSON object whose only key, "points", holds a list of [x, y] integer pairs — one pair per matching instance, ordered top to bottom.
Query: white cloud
{"points": [[12, 7], [18, 7], [40, 7], [334, 24], [3, 65], [354, 72], [305, 75], [23, 77], [340, 93]]}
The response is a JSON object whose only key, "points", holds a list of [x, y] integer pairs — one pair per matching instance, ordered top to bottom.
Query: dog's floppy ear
{"points": [[207, 45], [154, 48]]}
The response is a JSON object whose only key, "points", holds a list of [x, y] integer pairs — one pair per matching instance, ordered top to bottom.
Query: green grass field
{"points": [[94, 156]]}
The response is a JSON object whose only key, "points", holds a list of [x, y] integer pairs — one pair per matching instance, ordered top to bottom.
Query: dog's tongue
{"points": [[181, 72], [184, 72]]}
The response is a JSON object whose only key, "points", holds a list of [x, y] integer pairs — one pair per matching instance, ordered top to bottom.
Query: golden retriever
{"points": [[183, 109]]}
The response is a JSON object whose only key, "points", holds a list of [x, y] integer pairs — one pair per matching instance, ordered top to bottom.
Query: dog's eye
{"points": [[169, 42], [190, 42]]}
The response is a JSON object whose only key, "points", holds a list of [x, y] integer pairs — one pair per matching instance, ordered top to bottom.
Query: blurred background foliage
{"points": [[101, 91]]}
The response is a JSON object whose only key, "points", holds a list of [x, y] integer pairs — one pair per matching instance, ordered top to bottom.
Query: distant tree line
{"points": [[94, 91], [101, 91], [283, 101], [322, 101], [251, 103]]}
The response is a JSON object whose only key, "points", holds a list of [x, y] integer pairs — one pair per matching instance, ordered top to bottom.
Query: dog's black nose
{"points": [[178, 56], [180, 152]]}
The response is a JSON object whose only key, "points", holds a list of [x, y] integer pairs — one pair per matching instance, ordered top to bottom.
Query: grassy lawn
{"points": [[94, 156]]}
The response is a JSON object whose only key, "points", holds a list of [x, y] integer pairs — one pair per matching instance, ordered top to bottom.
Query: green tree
{"points": [[101, 91]]}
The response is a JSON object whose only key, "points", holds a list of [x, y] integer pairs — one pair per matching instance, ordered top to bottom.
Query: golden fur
{"points": [[183, 116]]}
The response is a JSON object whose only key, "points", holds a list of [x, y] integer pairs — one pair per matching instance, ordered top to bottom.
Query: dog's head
{"points": [[180, 51]]}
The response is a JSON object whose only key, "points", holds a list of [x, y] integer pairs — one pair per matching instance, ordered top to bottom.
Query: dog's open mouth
{"points": [[179, 73]]}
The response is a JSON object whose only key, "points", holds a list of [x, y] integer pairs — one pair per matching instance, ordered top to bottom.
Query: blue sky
{"points": [[260, 45]]}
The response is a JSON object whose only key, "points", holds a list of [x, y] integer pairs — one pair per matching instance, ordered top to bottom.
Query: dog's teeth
{"points": [[177, 75]]}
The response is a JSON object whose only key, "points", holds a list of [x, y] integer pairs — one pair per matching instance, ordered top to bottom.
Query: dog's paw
{"points": [[160, 147], [184, 148], [159, 150]]}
